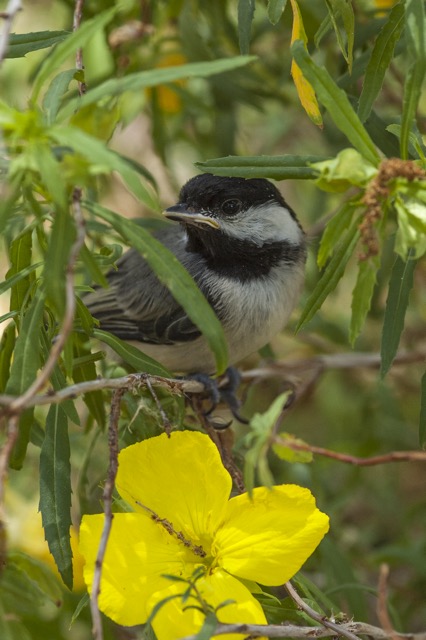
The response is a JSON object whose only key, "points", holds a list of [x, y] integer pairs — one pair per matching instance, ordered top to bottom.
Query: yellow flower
{"points": [[183, 520]]}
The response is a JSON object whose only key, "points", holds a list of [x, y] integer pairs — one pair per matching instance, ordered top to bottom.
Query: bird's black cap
{"points": [[208, 192]]}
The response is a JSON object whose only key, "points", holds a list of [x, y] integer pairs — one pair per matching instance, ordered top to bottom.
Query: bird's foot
{"points": [[222, 390]]}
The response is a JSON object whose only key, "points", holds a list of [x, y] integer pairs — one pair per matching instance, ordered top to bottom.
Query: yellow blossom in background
{"points": [[169, 100], [184, 521]]}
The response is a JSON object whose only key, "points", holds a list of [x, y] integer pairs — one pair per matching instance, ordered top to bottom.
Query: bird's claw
{"points": [[225, 393]]}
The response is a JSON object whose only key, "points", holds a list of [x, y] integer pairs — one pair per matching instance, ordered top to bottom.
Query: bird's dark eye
{"points": [[231, 207]]}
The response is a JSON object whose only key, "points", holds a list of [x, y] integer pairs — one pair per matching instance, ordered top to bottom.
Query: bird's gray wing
{"points": [[136, 306]]}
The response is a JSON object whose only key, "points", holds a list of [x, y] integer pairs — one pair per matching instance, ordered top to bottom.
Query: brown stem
{"points": [[78, 13], [8, 16], [107, 497], [301, 604]]}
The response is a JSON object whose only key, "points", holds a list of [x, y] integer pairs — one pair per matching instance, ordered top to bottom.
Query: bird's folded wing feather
{"points": [[136, 306]]}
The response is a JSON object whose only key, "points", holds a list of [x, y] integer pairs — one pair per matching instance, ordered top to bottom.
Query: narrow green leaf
{"points": [[246, 10], [275, 10], [344, 10], [415, 33], [22, 43], [69, 46], [381, 57], [143, 79], [55, 93], [336, 102], [105, 160], [286, 167], [334, 231], [60, 242], [20, 254], [92, 267], [331, 275], [174, 276], [18, 277], [400, 285], [362, 295], [7, 347], [132, 355], [26, 359], [26, 362], [84, 372], [58, 381], [422, 420], [258, 439], [55, 491], [40, 573], [82, 604]]}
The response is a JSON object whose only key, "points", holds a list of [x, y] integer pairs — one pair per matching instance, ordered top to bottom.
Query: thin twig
{"points": [[78, 13], [8, 16], [179, 385], [166, 422], [385, 458], [107, 497], [382, 602], [301, 604], [293, 631]]}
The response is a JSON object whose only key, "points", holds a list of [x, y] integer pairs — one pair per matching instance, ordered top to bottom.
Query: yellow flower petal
{"points": [[180, 478], [269, 537], [139, 552], [171, 622]]}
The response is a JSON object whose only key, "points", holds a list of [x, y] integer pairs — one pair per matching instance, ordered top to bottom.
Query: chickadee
{"points": [[244, 248]]}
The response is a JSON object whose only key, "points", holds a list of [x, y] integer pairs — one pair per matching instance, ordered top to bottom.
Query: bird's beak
{"points": [[180, 213]]}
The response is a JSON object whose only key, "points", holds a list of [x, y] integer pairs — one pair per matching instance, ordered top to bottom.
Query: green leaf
{"points": [[343, 9], [246, 10], [275, 10], [415, 33], [22, 43], [69, 46], [381, 57], [143, 79], [55, 93], [336, 102], [104, 160], [274, 167], [346, 170], [334, 231], [411, 235], [20, 257], [331, 275], [174, 276], [18, 277], [400, 285], [362, 295], [7, 347], [132, 355], [26, 362], [87, 371], [58, 381], [422, 418], [258, 440], [285, 451], [55, 491], [40, 573], [82, 604], [209, 627]]}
